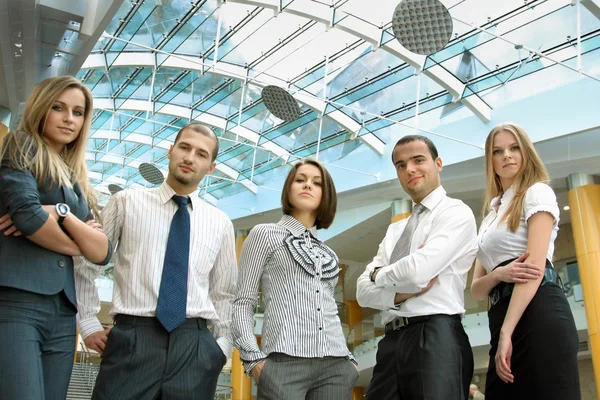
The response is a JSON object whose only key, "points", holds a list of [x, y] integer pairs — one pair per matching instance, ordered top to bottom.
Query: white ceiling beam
{"points": [[593, 6], [97, 17], [372, 35], [222, 69], [245, 133], [227, 170], [95, 175], [251, 186]]}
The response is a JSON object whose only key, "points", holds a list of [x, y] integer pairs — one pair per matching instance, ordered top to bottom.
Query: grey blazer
{"points": [[23, 264]]}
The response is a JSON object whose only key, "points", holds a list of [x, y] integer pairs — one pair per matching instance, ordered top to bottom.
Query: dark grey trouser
{"points": [[37, 345], [428, 360], [143, 361], [285, 377]]}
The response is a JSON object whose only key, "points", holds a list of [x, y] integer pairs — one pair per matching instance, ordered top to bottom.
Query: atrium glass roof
{"points": [[163, 63]]}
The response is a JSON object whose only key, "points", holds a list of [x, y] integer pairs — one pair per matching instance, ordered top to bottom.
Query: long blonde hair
{"points": [[26, 148], [532, 171]]}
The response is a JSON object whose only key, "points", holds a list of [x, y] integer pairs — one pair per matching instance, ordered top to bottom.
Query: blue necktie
{"points": [[172, 297]]}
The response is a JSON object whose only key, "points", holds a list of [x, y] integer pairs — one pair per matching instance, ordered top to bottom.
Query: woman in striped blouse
{"points": [[303, 354]]}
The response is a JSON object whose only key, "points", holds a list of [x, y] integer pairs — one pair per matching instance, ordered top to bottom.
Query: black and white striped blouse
{"points": [[298, 275]]}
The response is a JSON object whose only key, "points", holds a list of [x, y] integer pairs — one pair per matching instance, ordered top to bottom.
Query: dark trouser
{"points": [[37, 345], [545, 346], [429, 360], [143, 361], [285, 377]]}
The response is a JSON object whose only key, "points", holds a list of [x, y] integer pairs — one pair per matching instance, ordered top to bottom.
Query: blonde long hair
{"points": [[26, 148], [532, 171]]}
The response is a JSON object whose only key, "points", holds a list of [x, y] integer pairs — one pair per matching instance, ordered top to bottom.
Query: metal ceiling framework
{"points": [[251, 146]]}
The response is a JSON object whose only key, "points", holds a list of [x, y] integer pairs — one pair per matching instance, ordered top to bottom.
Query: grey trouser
{"points": [[37, 344], [142, 361], [285, 377]]}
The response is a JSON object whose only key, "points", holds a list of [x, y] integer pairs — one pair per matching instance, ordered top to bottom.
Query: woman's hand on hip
{"points": [[518, 271]]}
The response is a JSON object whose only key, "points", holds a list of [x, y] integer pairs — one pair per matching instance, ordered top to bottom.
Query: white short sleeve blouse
{"points": [[496, 243]]}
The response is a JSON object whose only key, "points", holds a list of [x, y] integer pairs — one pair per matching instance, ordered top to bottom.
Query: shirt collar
{"points": [[166, 193], [504, 198], [433, 199], [295, 227]]}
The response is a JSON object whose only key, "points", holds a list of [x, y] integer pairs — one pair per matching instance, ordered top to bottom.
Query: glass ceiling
{"points": [[163, 63]]}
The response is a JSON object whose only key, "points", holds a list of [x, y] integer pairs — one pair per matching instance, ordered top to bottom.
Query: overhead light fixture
{"points": [[422, 26], [280, 103], [151, 173], [566, 208]]}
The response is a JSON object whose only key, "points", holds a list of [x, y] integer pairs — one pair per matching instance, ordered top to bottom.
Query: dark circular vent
{"points": [[422, 26], [280, 103], [151, 173], [112, 188]]}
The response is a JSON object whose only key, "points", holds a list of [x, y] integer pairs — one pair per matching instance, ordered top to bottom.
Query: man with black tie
{"points": [[175, 274], [418, 279]]}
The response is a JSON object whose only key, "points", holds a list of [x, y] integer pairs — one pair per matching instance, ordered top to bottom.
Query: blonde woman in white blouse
{"points": [[533, 336]]}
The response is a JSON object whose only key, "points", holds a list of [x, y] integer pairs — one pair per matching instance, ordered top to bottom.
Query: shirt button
{"points": [[61, 264], [317, 290], [318, 309], [320, 329]]}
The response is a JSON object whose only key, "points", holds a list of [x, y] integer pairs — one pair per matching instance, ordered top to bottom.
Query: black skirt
{"points": [[545, 347]]}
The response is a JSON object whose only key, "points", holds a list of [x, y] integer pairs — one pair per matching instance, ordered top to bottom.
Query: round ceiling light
{"points": [[422, 26], [280, 103], [151, 173], [112, 188]]}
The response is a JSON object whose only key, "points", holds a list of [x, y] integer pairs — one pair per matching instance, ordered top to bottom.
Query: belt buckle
{"points": [[495, 297], [399, 322]]}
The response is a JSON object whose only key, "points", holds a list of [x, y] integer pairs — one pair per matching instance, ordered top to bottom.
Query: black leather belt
{"points": [[504, 289], [400, 322]]}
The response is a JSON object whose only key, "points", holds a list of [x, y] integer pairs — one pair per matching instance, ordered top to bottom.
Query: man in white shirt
{"points": [[175, 274], [418, 279]]}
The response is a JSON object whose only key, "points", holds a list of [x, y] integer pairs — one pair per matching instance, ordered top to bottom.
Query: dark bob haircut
{"points": [[328, 206]]}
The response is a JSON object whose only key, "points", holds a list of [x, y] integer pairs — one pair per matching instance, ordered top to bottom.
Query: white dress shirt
{"points": [[137, 222], [447, 234], [496, 243]]}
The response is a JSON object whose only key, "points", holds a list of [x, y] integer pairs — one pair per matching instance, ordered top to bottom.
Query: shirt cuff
{"points": [[33, 223], [109, 254], [383, 281], [88, 326], [225, 345], [249, 366]]}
